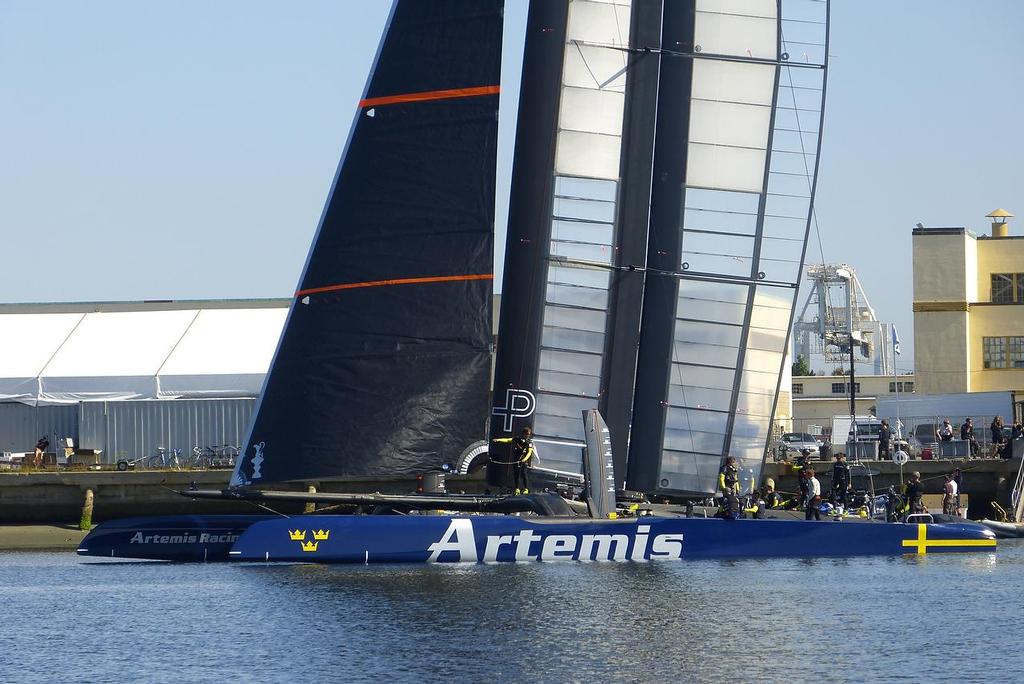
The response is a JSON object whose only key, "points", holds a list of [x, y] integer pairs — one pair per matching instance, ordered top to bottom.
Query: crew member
{"points": [[523, 454], [728, 477], [840, 479], [729, 488], [914, 492], [813, 495], [949, 496], [771, 497]]}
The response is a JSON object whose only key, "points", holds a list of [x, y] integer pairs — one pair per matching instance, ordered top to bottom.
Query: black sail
{"points": [[383, 367]]}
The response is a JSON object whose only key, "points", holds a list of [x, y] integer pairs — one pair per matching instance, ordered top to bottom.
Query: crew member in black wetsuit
{"points": [[522, 453], [840, 479], [729, 488], [915, 490]]}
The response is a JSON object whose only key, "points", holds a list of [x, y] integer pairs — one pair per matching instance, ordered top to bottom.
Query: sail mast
{"points": [[618, 375]]}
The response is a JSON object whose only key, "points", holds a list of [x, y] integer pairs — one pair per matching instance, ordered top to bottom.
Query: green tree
{"points": [[801, 366]]}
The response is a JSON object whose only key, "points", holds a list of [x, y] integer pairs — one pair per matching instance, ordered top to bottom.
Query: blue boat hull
{"points": [[171, 537], [428, 538]]}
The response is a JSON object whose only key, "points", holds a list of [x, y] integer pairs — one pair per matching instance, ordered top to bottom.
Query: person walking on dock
{"points": [[813, 496]]}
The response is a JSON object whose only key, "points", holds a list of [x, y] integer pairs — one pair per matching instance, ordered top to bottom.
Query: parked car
{"points": [[794, 443]]}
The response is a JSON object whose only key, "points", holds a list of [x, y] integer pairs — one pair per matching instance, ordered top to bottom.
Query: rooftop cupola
{"points": [[999, 227]]}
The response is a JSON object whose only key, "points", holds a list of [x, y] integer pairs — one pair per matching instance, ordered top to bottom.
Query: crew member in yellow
{"points": [[523, 454], [728, 477], [729, 488]]}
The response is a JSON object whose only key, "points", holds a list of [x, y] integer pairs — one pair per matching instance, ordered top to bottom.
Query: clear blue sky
{"points": [[183, 150]]}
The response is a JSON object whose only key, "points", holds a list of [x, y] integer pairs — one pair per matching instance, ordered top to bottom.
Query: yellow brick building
{"points": [[968, 309]]}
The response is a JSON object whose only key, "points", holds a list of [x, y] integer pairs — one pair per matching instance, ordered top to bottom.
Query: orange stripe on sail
{"points": [[430, 95], [398, 281]]}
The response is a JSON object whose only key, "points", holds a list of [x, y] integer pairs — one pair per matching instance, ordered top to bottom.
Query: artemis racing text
{"points": [[202, 538], [458, 544]]}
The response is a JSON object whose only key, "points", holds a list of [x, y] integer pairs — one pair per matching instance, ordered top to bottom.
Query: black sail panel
{"points": [[383, 367]]}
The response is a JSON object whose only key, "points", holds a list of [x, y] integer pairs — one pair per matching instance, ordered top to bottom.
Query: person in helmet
{"points": [[522, 453]]}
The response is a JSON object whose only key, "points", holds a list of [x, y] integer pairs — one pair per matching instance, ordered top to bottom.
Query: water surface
{"points": [[926, 618]]}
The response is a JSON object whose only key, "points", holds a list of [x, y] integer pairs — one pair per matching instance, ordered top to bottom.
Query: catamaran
{"points": [[664, 172]]}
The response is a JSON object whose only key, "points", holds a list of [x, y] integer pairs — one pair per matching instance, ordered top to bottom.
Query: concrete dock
{"points": [[58, 497]]}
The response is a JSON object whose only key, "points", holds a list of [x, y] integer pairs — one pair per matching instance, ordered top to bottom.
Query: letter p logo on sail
{"points": [[519, 403]]}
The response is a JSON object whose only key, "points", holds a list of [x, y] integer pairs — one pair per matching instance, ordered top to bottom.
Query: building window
{"points": [[1002, 288], [1016, 345], [994, 351], [892, 386], [909, 386], [901, 387], [798, 388], [838, 388]]}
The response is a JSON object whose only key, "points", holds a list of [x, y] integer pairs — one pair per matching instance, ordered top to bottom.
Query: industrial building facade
{"points": [[969, 309]]}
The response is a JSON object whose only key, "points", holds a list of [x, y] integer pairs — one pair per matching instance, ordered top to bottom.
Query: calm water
{"points": [[934, 618]]}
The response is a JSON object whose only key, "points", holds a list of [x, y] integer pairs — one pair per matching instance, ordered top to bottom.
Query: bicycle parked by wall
{"points": [[218, 456], [163, 458]]}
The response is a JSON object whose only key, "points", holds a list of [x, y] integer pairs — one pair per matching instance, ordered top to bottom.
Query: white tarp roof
{"points": [[57, 358]]}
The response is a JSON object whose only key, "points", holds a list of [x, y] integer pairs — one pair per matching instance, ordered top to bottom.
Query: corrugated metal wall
{"points": [[22, 425], [128, 429], [131, 429]]}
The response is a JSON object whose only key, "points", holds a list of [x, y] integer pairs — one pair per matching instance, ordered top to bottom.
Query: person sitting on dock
{"points": [[945, 431], [967, 434], [840, 479], [914, 493], [813, 496], [949, 496]]}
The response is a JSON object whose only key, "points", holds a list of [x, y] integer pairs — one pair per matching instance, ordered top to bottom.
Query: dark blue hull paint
{"points": [[172, 537], [417, 539]]}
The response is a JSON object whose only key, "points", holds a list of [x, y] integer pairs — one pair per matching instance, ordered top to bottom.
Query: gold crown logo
{"points": [[321, 534], [297, 535], [310, 545]]}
